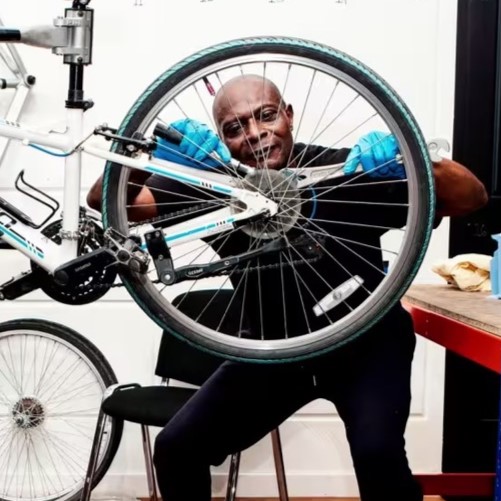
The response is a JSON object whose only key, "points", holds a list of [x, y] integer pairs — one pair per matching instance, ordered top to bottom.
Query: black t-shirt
{"points": [[356, 249]]}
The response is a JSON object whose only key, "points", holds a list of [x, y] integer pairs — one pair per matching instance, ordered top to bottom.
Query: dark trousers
{"points": [[368, 380]]}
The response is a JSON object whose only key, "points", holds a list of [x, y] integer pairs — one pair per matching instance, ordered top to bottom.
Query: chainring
{"points": [[98, 281]]}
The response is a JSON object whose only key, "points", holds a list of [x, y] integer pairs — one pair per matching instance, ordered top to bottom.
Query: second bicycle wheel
{"points": [[348, 246], [52, 381]]}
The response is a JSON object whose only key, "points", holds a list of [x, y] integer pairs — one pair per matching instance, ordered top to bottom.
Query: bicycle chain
{"points": [[189, 210]]}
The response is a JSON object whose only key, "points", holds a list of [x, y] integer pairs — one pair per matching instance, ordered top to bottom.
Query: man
{"points": [[368, 379]]}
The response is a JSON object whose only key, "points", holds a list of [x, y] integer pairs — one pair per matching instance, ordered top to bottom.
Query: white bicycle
{"points": [[292, 224]]}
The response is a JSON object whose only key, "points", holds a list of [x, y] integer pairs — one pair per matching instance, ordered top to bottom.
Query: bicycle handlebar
{"points": [[10, 35], [48, 37], [168, 133]]}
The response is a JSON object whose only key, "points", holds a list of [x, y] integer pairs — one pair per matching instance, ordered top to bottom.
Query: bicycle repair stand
{"points": [[71, 37]]}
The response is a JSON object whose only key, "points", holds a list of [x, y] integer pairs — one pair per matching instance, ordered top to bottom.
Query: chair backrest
{"points": [[177, 359]]}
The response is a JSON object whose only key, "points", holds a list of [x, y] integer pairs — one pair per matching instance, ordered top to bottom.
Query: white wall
{"points": [[409, 42]]}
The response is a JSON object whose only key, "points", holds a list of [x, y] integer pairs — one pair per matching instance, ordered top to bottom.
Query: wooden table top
{"points": [[475, 309]]}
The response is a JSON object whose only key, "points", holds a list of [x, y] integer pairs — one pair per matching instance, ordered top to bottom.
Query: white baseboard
{"points": [[315, 484]]}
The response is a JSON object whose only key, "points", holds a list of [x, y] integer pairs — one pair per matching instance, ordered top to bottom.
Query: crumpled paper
{"points": [[468, 272]]}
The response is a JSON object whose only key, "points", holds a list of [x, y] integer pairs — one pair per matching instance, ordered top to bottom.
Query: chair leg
{"points": [[94, 454], [279, 465], [150, 472], [231, 490]]}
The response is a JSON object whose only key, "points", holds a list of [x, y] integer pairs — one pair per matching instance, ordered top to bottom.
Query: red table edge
{"points": [[474, 344], [457, 484]]}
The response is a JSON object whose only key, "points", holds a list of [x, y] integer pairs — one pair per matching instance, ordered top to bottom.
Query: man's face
{"points": [[255, 124]]}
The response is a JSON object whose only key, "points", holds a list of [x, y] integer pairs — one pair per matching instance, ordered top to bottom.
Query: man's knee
{"points": [[171, 445], [176, 446], [373, 448]]}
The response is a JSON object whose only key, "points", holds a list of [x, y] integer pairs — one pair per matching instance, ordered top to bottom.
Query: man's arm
{"points": [[195, 150], [458, 190], [140, 199]]}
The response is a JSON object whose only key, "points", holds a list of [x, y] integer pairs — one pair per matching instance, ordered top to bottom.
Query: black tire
{"points": [[371, 86], [17, 334]]}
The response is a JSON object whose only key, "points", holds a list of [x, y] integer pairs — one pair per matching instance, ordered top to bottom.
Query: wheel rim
{"points": [[377, 118], [50, 395]]}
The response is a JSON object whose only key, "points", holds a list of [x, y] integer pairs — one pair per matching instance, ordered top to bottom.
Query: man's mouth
{"points": [[263, 153]]}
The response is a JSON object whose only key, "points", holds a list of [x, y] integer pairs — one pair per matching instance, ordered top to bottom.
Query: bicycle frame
{"points": [[75, 46], [50, 255]]}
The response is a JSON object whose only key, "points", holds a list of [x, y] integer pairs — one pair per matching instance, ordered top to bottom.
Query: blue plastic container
{"points": [[496, 268]]}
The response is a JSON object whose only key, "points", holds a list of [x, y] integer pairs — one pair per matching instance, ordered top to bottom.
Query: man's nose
{"points": [[255, 131]]}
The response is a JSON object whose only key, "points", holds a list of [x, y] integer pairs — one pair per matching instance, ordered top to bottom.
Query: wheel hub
{"points": [[280, 188], [28, 412]]}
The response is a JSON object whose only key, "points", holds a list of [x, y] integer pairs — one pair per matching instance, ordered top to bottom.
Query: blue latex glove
{"points": [[198, 142], [373, 150]]}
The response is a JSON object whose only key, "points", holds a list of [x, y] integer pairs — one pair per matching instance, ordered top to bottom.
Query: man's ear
{"points": [[289, 111]]}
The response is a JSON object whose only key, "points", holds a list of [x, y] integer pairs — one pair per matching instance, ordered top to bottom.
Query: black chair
{"points": [[156, 405]]}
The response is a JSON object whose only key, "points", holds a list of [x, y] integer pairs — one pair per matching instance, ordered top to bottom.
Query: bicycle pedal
{"points": [[79, 268], [21, 284]]}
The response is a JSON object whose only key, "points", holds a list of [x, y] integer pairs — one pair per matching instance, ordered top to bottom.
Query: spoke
{"points": [[223, 93], [202, 102], [280, 105], [313, 137], [291, 160], [312, 160], [189, 199], [353, 202], [349, 223], [313, 232], [349, 273], [296, 278], [305, 285], [244, 296], [260, 299], [284, 302], [22, 357], [47, 364], [62, 378], [14, 383], [70, 395], [57, 396], [4, 398], [92, 411], [84, 429], [70, 434], [53, 448], [20, 450], [6, 460], [72, 467], [45, 478], [20, 494]]}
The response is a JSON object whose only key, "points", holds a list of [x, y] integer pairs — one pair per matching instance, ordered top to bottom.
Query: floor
{"points": [[427, 498]]}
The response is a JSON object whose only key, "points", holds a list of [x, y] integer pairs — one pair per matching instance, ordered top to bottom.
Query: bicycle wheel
{"points": [[298, 302], [52, 382]]}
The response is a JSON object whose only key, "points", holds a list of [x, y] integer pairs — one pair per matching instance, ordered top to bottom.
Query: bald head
{"points": [[235, 90], [254, 122]]}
